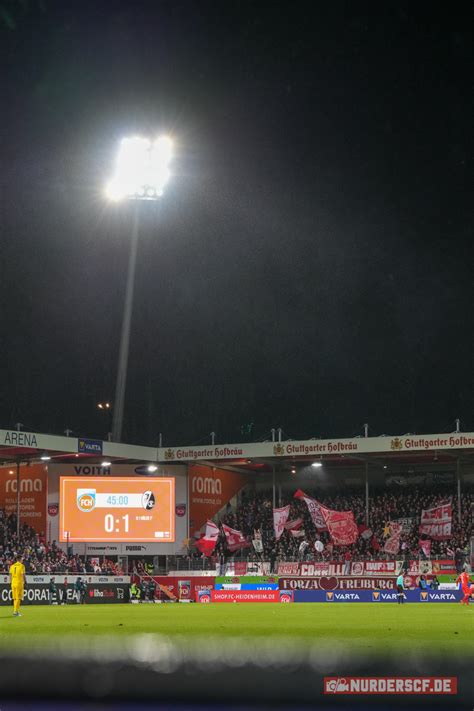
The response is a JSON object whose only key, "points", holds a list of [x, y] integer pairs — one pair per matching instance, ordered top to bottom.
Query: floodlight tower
{"points": [[141, 172]]}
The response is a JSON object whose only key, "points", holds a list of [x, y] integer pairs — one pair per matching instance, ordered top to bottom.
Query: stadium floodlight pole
{"points": [[141, 172], [458, 481], [273, 487], [366, 493], [18, 501]]}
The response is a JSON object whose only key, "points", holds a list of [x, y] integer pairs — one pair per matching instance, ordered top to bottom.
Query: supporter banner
{"points": [[303, 448], [210, 489], [33, 494], [314, 508], [280, 517], [436, 522], [235, 540], [392, 544], [444, 566], [370, 567], [419, 567], [242, 568], [288, 568], [311, 569], [331, 582], [177, 584], [39, 594], [377, 596]]}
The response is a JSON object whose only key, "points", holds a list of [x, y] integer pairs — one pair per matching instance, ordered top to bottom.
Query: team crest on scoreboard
{"points": [[396, 444], [86, 499], [148, 500]]}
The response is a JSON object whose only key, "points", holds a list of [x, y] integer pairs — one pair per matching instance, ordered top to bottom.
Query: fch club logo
{"points": [[86, 499]]}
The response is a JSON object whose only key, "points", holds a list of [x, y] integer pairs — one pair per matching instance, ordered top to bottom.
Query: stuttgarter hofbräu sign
{"points": [[304, 448]]}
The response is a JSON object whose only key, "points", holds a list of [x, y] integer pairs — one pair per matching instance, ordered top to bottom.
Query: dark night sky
{"points": [[311, 263]]}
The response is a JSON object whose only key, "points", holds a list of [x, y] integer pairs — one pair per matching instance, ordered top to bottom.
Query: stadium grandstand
{"points": [[383, 481]]}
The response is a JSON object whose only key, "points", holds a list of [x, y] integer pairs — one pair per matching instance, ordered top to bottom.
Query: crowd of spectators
{"points": [[254, 516], [42, 557]]}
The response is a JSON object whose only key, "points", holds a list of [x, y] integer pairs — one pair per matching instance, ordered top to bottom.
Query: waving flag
{"points": [[315, 510], [280, 517], [294, 525], [341, 526], [235, 539], [207, 542], [392, 544], [425, 545]]}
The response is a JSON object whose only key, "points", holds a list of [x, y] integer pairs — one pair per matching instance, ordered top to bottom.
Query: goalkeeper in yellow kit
{"points": [[17, 573]]}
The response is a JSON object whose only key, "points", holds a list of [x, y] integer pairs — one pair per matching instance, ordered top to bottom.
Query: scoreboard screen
{"points": [[119, 509]]}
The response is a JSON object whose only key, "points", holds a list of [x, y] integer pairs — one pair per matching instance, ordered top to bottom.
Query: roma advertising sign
{"points": [[210, 489], [33, 494]]}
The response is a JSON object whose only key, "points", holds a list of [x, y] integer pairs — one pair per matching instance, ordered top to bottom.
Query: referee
{"points": [[401, 589]]}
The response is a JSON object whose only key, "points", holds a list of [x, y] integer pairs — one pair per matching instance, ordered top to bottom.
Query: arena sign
{"points": [[320, 447]]}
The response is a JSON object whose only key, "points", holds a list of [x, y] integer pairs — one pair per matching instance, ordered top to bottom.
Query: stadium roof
{"points": [[31, 446], [407, 449]]}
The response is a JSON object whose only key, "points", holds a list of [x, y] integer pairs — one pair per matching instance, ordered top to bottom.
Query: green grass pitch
{"points": [[365, 627]]}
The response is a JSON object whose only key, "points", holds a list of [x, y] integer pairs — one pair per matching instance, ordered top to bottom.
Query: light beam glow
{"points": [[141, 169]]}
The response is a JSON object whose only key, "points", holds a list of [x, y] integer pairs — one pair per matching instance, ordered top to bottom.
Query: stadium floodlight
{"points": [[141, 169], [45, 457], [317, 465], [151, 468]]}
